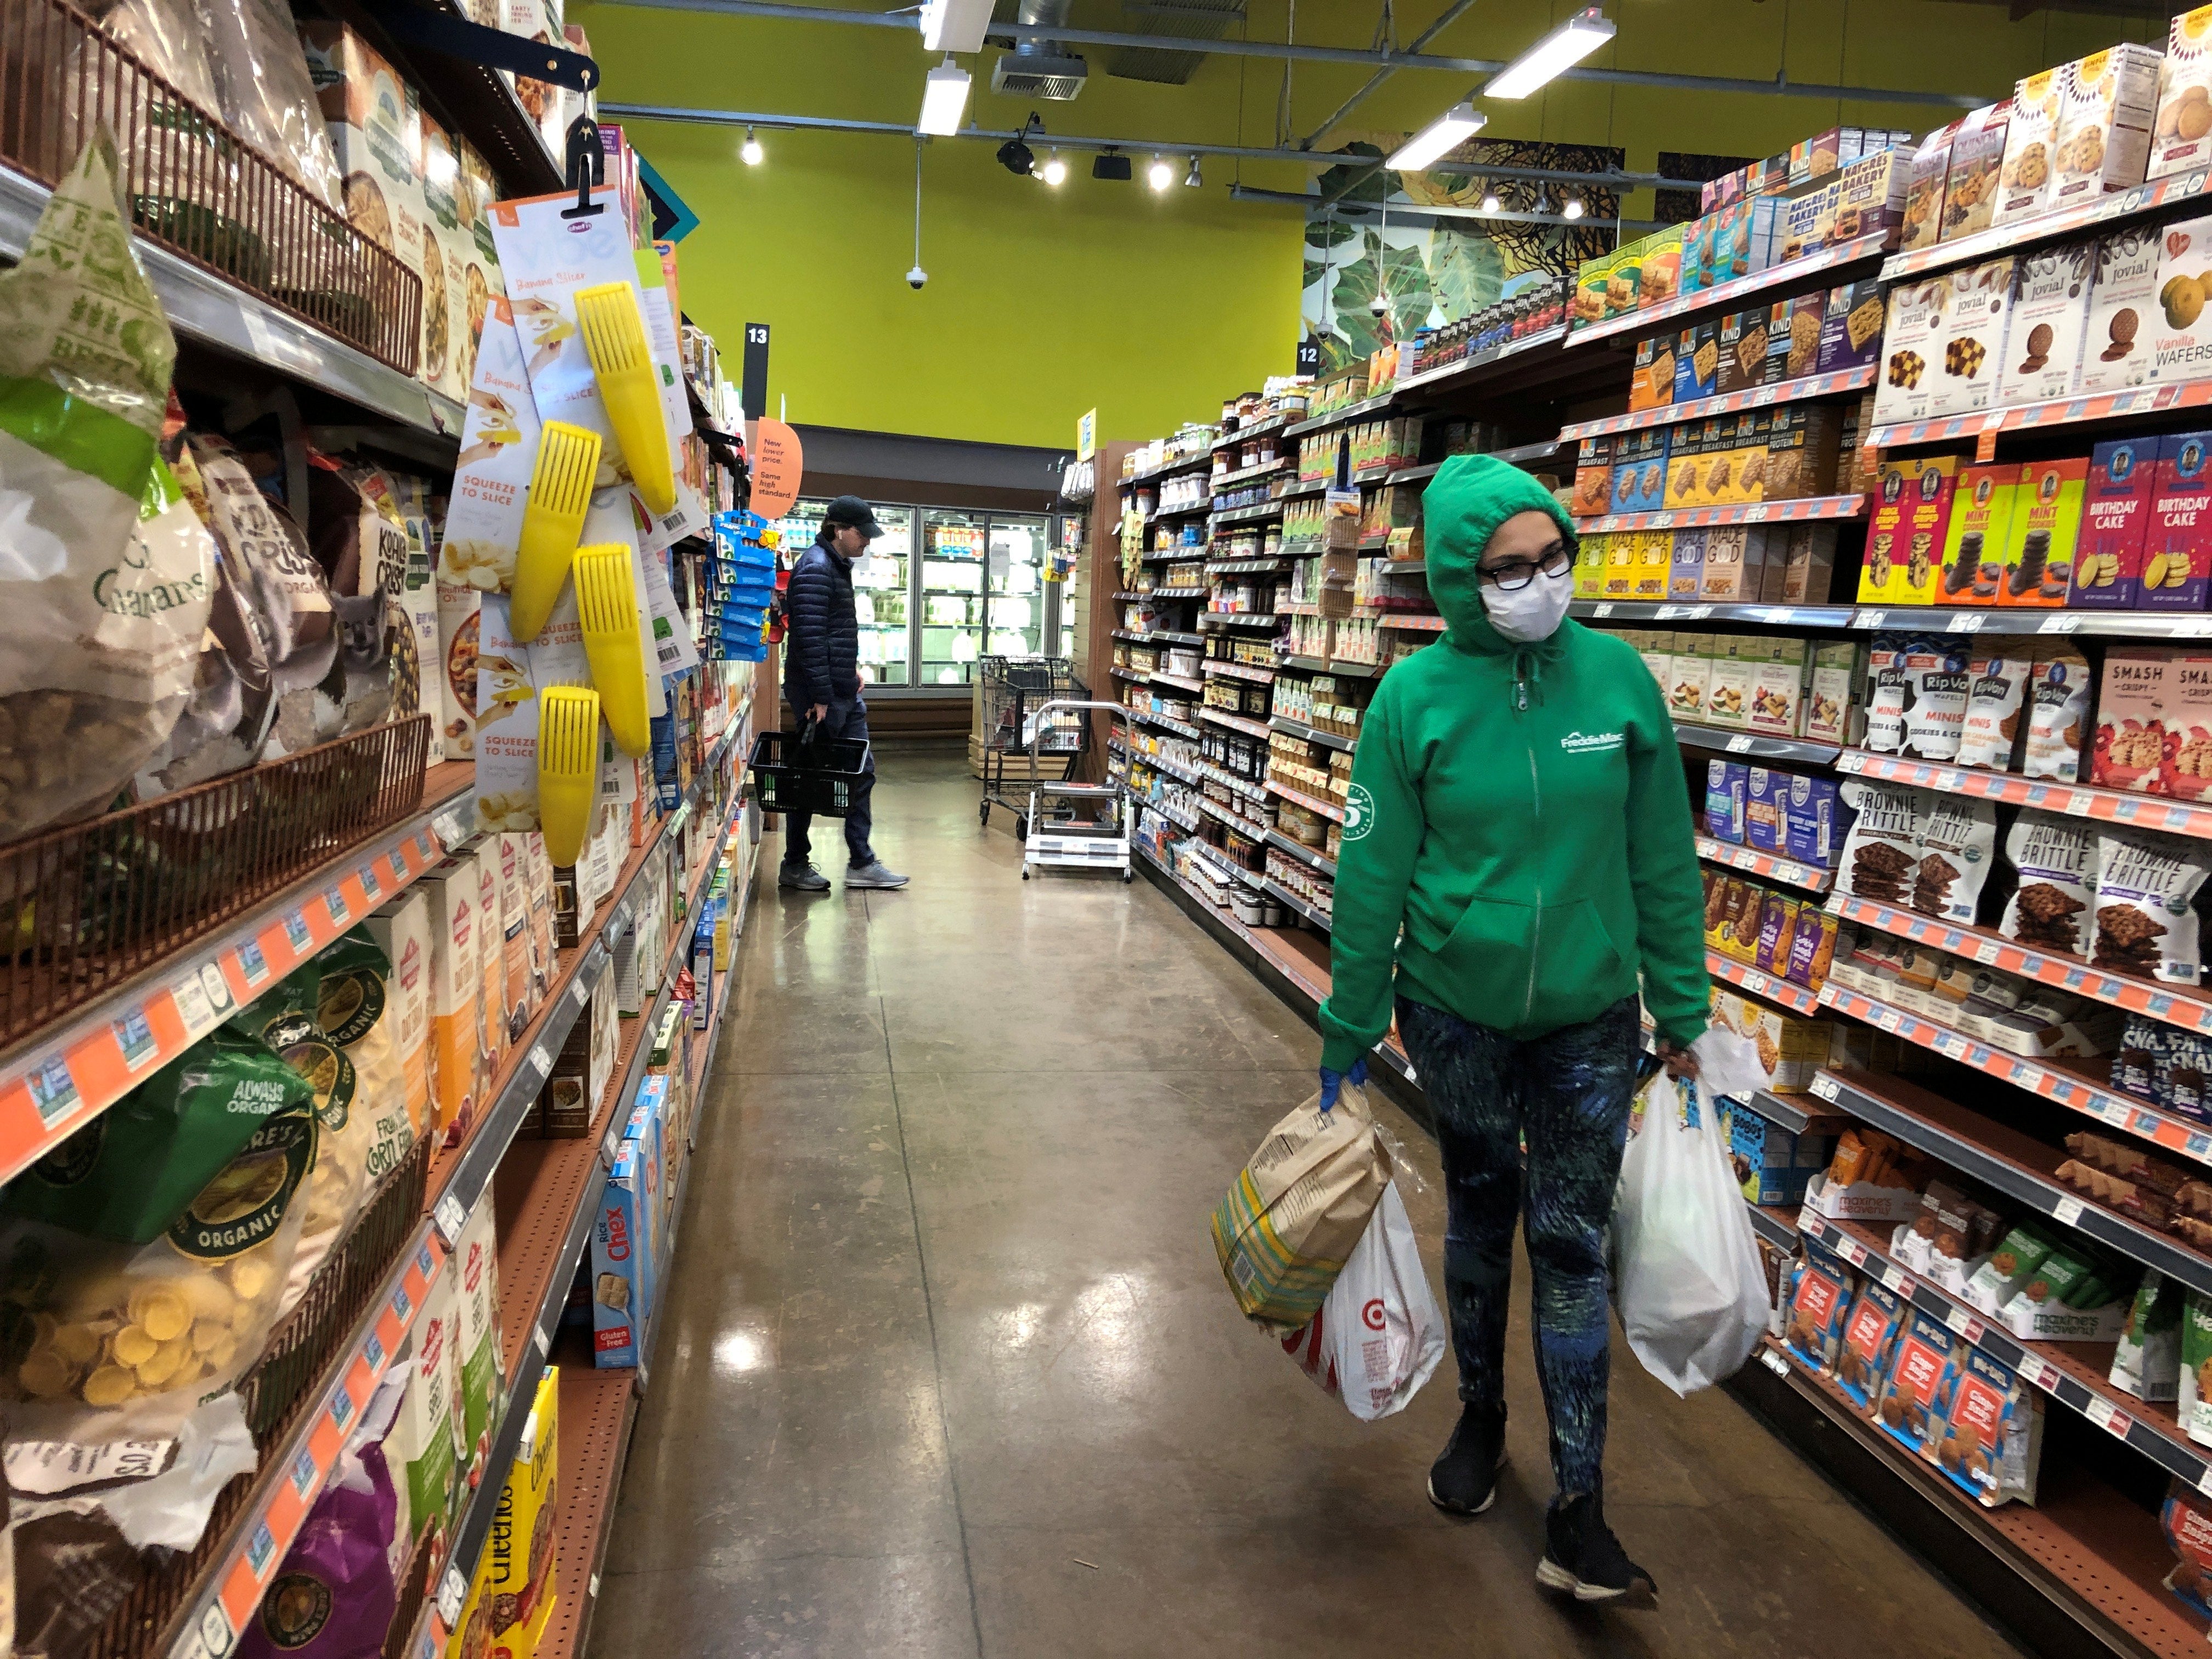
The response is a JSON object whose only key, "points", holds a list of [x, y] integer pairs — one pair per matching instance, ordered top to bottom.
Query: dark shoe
{"points": [[872, 874], [803, 878], [1464, 1481], [1581, 1555]]}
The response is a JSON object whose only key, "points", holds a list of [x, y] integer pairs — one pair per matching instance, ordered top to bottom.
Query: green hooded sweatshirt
{"points": [[1520, 809]]}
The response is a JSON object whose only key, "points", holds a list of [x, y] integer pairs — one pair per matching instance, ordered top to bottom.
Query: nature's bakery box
{"points": [[375, 123], [1904, 544], [2177, 570], [455, 978]]}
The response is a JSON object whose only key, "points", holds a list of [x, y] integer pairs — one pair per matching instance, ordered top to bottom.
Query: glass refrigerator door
{"points": [[1016, 586], [951, 594], [879, 598]]}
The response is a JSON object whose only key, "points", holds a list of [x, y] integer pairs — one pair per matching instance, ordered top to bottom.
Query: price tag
{"points": [[1985, 442], [1755, 515], [1603, 607], [1870, 618], [1966, 622], [2063, 622], [1739, 746], [367, 875], [296, 930], [192, 1000], [1826, 1087], [2067, 1212], [448, 1217], [1851, 1250], [1891, 1276], [1957, 1317], [540, 1341], [1775, 1363], [2101, 1412], [2204, 1480], [452, 1590]]}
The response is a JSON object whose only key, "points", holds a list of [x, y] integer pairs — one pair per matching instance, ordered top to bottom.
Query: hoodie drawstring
{"points": [[1527, 671]]}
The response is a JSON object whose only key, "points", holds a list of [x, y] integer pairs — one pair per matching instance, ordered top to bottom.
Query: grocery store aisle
{"points": [[949, 1369]]}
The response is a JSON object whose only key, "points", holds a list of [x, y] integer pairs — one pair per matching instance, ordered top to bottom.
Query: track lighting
{"points": [[1558, 51], [944, 99], [1461, 121], [751, 152], [1015, 155], [1110, 164], [1054, 170], [1159, 175], [1191, 179], [1490, 199], [1543, 199], [1573, 210]]}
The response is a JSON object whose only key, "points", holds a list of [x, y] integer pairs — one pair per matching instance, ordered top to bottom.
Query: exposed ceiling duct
{"points": [[1193, 20], [1039, 66]]}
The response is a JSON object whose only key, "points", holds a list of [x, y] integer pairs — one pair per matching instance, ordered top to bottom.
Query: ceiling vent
{"points": [[1037, 67]]}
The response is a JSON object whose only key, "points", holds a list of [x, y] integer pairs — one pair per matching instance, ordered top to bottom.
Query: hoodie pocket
{"points": [[1512, 965]]}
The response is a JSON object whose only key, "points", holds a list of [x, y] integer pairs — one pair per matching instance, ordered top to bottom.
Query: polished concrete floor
{"points": [[949, 1369]]}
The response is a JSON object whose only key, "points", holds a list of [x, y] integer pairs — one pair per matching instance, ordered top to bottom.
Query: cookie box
{"points": [[2106, 103], [2181, 129], [2025, 182], [1972, 184], [1924, 187], [2052, 290], [1978, 313], [2181, 331], [2116, 344], [1912, 349], [2115, 512], [1911, 517], [2046, 524], [1975, 539], [2177, 569], [2185, 770], [1728, 785], [1770, 1164], [1862, 1201], [1821, 1293], [2050, 1321], [1989, 1437]]}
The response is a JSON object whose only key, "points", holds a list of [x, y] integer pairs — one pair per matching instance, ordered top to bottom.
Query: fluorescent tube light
{"points": [[955, 25], [1562, 49], [943, 100], [1461, 121]]}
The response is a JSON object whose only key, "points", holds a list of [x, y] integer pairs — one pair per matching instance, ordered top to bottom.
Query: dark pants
{"points": [[848, 720], [1567, 1094]]}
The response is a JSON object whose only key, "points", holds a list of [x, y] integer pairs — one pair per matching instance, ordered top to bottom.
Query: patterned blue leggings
{"points": [[1568, 1094]]}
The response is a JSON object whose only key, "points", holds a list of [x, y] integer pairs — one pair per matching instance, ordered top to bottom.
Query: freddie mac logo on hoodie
{"points": [[1593, 742]]}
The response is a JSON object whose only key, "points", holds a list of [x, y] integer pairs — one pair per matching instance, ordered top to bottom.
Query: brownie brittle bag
{"points": [[2149, 888]]}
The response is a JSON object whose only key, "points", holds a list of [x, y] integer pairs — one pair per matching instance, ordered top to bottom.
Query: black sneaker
{"points": [[802, 878], [1464, 1481], [1581, 1554]]}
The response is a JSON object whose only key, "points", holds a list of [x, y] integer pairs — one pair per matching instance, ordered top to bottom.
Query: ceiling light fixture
{"points": [[955, 25], [1558, 51], [944, 99], [1462, 121], [751, 152], [1015, 155], [1110, 164], [1054, 170], [1159, 175], [1191, 179], [1543, 199], [1490, 204], [1573, 210]]}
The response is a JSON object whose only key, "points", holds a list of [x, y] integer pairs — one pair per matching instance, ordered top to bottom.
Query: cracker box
{"points": [[2107, 102], [2181, 132], [2025, 183], [1972, 184], [1923, 188], [1870, 194], [1810, 220], [2053, 292], [2124, 311], [1851, 326], [2181, 331], [1742, 341], [1974, 341], [1912, 349], [1697, 361], [1646, 389], [1593, 491], [2115, 512], [2046, 524], [1974, 543], [1904, 544], [1686, 569], [2176, 572], [1689, 677], [1777, 688], [1832, 690], [2131, 697], [2187, 769], [1728, 787], [457, 1052], [623, 1285], [1912, 1401]]}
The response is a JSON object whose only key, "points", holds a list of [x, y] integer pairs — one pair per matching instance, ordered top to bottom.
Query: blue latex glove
{"points": [[1332, 1081]]}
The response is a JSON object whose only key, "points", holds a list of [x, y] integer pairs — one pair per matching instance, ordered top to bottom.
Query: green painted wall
{"points": [[1042, 303]]}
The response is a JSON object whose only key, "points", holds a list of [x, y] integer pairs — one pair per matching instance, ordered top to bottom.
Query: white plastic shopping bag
{"points": [[1691, 1295], [1378, 1335]]}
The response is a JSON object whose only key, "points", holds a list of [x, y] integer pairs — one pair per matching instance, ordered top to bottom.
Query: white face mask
{"points": [[1529, 615]]}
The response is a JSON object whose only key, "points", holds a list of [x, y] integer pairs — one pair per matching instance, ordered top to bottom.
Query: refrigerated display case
{"points": [[881, 581], [1014, 588], [951, 595]]}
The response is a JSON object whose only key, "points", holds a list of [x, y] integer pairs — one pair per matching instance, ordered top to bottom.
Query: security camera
{"points": [[916, 278], [1378, 306]]}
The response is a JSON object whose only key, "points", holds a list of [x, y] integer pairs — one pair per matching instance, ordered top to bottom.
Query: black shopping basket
{"points": [[819, 776]]}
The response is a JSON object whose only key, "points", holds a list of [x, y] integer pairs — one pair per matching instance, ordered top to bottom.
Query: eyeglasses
{"points": [[1517, 573]]}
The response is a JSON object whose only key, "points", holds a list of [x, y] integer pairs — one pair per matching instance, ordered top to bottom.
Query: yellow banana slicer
{"points": [[614, 338], [552, 519], [607, 604], [567, 769]]}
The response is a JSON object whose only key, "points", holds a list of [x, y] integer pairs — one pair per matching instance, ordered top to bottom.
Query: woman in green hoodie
{"points": [[1517, 847]]}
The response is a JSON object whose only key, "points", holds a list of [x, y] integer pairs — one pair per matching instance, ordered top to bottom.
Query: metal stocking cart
{"points": [[1013, 689], [1063, 828]]}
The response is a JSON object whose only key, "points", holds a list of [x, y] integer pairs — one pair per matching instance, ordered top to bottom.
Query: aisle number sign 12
{"points": [[1086, 436]]}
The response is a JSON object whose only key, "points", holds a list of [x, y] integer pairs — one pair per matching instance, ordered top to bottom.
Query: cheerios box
{"points": [[2181, 132], [2181, 315], [2177, 570], [622, 1284]]}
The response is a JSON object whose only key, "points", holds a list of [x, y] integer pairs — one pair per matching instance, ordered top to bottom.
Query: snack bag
{"points": [[106, 584], [2058, 714], [1958, 837], [1882, 854], [2056, 858], [2147, 887], [355, 1006], [1291, 1219], [1820, 1302], [1869, 1336], [2148, 1361], [2193, 1391], [1914, 1399], [1990, 1435], [2186, 1519]]}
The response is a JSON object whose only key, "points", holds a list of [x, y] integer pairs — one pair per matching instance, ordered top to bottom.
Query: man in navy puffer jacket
{"points": [[821, 679]]}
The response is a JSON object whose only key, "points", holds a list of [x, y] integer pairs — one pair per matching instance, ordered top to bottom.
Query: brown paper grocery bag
{"points": [[1288, 1222]]}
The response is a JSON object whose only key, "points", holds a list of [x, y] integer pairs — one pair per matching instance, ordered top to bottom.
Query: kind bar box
{"points": [[2106, 103], [2181, 132], [2025, 183], [1971, 186], [1923, 189], [2052, 290], [1977, 310], [2124, 311], [1851, 326], [2181, 330], [1912, 349], [1743, 350], [1802, 351], [1697, 363], [1803, 443], [1684, 483], [1593, 494], [2116, 514], [2047, 522], [1975, 542], [1905, 544], [2177, 570]]}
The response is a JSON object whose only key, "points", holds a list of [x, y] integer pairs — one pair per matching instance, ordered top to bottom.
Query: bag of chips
{"points": [[1995, 712], [1958, 844], [1882, 854], [1863, 1355], [2148, 1361]]}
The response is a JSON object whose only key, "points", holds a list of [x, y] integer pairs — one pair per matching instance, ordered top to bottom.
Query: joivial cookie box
{"points": [[2123, 311]]}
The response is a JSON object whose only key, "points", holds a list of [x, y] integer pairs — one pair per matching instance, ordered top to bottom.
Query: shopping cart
{"points": [[1013, 689], [1074, 826]]}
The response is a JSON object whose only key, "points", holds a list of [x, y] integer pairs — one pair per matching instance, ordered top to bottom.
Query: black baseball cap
{"points": [[851, 510]]}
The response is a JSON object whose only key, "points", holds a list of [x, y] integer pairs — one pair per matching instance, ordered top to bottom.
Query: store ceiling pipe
{"points": [[1452, 13], [1778, 87], [736, 118], [1407, 210]]}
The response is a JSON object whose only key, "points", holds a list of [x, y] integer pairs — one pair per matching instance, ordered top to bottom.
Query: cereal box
{"points": [[2106, 103], [375, 123], [2181, 133], [1972, 184], [2024, 184], [1923, 188], [2124, 300], [2050, 310], [1851, 326], [2181, 336], [1973, 345], [1912, 349], [2116, 511], [1912, 512], [2047, 522], [1974, 544], [1654, 557], [2176, 572], [1723, 575], [2131, 717], [2187, 769]]}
